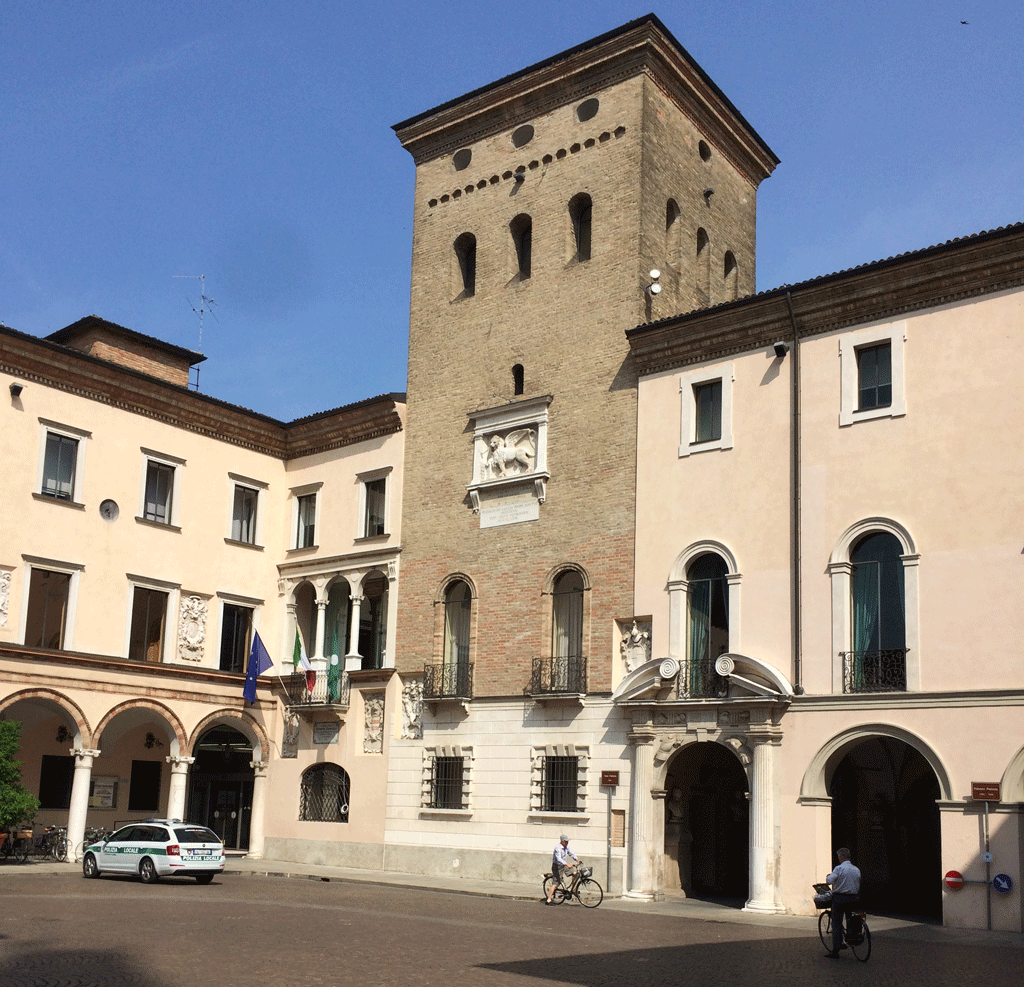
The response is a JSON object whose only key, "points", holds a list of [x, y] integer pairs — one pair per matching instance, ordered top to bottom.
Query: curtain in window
{"points": [[708, 599], [865, 616], [700, 621], [456, 625]]}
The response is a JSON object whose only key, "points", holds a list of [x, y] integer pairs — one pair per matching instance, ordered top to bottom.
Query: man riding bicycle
{"points": [[560, 863], [845, 882]]}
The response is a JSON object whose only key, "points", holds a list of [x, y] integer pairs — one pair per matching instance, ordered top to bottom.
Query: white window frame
{"points": [[895, 334], [723, 374], [81, 436], [177, 465], [369, 477], [236, 480], [304, 491], [72, 569], [173, 590], [249, 603], [539, 754], [426, 792]]}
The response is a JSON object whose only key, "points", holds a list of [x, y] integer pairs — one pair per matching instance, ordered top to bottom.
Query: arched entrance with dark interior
{"points": [[220, 785], [884, 810], [707, 832]]}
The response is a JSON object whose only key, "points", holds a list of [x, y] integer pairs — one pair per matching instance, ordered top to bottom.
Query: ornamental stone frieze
{"points": [[5, 594], [412, 709], [373, 723]]}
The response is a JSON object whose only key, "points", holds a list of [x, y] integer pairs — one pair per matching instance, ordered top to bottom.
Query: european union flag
{"points": [[259, 661]]}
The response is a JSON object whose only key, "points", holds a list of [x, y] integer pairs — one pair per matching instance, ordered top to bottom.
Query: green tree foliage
{"points": [[17, 803]]}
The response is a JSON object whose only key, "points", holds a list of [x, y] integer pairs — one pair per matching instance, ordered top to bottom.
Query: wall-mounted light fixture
{"points": [[654, 287], [781, 349], [16, 390]]}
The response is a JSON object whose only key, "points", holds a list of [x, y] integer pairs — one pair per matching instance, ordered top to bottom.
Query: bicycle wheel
{"points": [[21, 850], [60, 850], [553, 891], [589, 893], [825, 929], [862, 949]]}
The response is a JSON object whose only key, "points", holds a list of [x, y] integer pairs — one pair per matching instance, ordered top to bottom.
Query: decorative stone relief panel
{"points": [[5, 594], [192, 628], [635, 646], [412, 709], [373, 722], [290, 739]]}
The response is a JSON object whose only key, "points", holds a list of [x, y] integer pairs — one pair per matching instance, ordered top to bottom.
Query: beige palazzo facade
{"points": [[148, 532]]}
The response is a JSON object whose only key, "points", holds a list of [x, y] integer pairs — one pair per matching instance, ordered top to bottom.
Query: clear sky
{"points": [[250, 141]]}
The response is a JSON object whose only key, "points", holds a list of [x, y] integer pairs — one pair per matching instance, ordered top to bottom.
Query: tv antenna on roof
{"points": [[205, 305]]}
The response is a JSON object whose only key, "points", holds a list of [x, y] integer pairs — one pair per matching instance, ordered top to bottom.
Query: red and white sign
{"points": [[953, 880]]}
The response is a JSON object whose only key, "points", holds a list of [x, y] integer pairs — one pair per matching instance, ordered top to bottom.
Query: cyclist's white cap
{"points": [[563, 838]]}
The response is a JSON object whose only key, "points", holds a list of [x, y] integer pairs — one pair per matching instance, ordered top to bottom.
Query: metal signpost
{"points": [[609, 780]]}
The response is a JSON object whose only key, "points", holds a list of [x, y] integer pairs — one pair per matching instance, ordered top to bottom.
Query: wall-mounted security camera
{"points": [[16, 390]]}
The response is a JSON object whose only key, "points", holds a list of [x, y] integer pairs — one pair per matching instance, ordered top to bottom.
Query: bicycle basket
{"points": [[587, 872], [823, 900]]}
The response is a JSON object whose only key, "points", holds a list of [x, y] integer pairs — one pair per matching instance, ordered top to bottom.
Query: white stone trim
{"points": [[896, 335], [724, 373], [82, 436], [177, 465], [384, 473], [260, 488], [72, 569], [678, 585], [582, 755], [426, 780]]}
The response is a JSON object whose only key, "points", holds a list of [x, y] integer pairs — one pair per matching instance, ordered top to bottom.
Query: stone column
{"points": [[321, 629], [353, 636], [179, 777], [259, 800], [79, 807], [764, 829], [643, 845]]}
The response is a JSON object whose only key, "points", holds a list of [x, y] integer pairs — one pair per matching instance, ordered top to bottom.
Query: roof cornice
{"points": [[951, 272]]}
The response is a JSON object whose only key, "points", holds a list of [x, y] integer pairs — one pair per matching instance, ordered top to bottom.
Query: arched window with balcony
{"points": [[707, 604], [877, 662], [568, 666], [453, 677]]}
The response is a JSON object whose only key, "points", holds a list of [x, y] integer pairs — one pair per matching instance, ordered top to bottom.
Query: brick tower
{"points": [[543, 201]]}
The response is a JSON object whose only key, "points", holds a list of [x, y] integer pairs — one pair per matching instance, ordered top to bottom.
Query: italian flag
{"points": [[300, 661]]}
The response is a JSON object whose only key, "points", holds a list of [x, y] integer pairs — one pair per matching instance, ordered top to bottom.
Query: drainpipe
{"points": [[798, 661]]}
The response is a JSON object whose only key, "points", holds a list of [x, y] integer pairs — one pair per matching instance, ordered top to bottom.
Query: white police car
{"points": [[155, 848]]}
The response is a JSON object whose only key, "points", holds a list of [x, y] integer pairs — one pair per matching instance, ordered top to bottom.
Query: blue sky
{"points": [[251, 142]]}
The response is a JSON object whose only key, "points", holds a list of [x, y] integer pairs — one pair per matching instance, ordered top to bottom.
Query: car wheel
{"points": [[89, 868], [147, 871], [203, 878]]}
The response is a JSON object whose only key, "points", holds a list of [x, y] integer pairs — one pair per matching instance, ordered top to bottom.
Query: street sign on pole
{"points": [[985, 791], [953, 880], [1003, 883]]}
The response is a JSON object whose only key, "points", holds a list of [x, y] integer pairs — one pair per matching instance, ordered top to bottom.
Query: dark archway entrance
{"points": [[220, 786], [884, 809], [707, 832]]}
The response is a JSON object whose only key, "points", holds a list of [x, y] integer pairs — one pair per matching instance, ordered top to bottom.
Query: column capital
{"points": [[83, 753], [179, 762], [259, 767]]}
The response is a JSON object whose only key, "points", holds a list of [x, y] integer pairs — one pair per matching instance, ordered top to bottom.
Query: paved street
{"points": [[58, 929]]}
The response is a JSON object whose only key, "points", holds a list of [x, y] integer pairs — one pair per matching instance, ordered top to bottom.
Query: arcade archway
{"points": [[221, 783]]}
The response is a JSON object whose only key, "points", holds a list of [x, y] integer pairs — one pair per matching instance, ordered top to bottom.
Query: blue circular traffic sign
{"points": [[1002, 883]]}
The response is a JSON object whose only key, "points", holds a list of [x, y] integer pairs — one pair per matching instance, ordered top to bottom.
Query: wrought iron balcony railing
{"points": [[875, 671], [559, 676], [699, 680], [448, 681], [327, 690]]}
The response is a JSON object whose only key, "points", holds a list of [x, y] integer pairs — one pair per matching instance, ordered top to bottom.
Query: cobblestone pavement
{"points": [[59, 929]]}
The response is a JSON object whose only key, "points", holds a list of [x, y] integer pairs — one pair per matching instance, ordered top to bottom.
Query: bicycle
{"points": [[93, 835], [583, 888], [856, 935]]}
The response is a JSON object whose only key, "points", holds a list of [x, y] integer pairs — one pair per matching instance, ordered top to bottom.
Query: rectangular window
{"points": [[874, 376], [707, 411], [59, 466], [159, 491], [376, 492], [243, 518], [305, 534], [149, 610], [46, 619], [234, 638], [56, 772], [446, 783], [560, 784], [144, 790]]}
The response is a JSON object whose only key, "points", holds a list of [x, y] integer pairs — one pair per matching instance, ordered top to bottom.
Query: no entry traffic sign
{"points": [[953, 880]]}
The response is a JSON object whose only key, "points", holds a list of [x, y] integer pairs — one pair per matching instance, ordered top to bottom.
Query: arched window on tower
{"points": [[581, 211], [521, 229], [673, 235], [465, 254], [703, 269], [730, 277], [518, 378], [707, 601], [453, 678]]}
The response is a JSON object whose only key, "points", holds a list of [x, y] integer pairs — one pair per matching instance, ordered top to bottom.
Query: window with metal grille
{"points": [[446, 774], [561, 783], [324, 794]]}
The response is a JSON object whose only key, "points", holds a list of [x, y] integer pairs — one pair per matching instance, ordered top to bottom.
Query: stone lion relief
{"points": [[510, 455], [192, 628]]}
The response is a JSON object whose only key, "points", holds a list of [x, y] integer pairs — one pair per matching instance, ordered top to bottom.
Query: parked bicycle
{"points": [[93, 834], [23, 843], [583, 888], [856, 935]]}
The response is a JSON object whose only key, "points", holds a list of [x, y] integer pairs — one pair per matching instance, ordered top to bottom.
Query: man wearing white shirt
{"points": [[560, 862], [845, 882]]}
